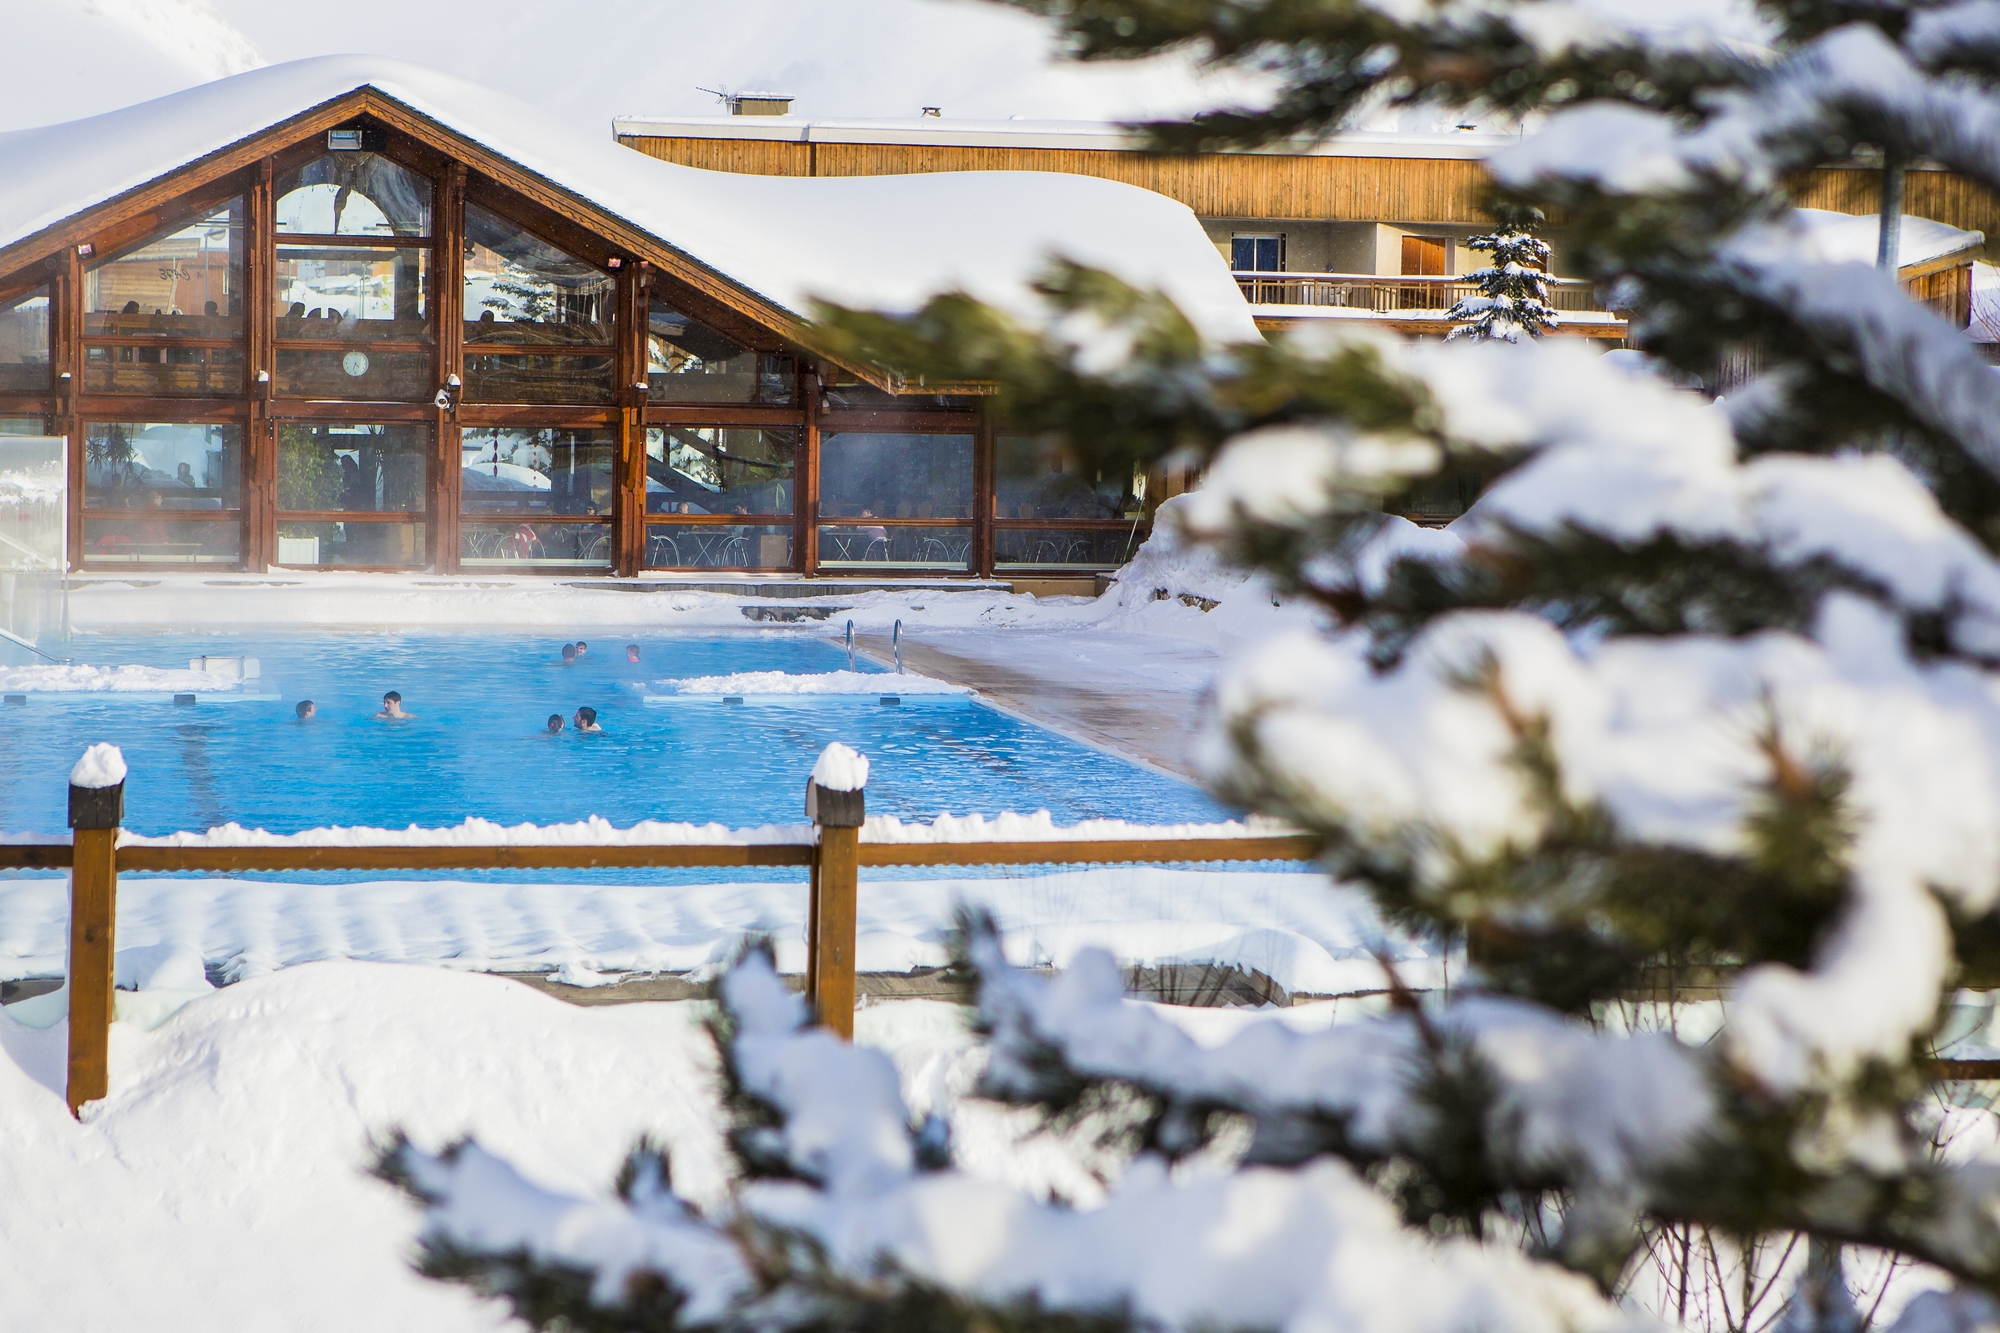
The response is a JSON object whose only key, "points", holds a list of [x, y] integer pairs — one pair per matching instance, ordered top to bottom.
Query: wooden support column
{"points": [[448, 309], [260, 330], [66, 351], [805, 476], [984, 493], [629, 509], [94, 814], [832, 914]]}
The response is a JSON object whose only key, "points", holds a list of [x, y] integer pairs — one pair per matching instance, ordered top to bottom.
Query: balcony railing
{"points": [[1407, 297]]}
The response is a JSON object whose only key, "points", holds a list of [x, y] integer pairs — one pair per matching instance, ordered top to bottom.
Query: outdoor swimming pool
{"points": [[477, 744]]}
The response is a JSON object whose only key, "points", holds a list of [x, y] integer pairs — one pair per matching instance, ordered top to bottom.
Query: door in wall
{"points": [[1424, 256]]}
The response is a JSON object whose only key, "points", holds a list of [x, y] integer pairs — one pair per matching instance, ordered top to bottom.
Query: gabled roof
{"points": [[885, 242]]}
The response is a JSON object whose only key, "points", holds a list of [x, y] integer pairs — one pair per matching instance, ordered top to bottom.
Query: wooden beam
{"points": [[260, 326], [66, 357], [805, 475], [441, 535], [1158, 851], [35, 856], [506, 857], [835, 926], [93, 945]]}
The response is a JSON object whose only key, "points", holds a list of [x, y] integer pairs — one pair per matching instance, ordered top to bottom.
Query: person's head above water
{"points": [[581, 647], [569, 652], [631, 652], [392, 706], [305, 709], [586, 719], [555, 722]]}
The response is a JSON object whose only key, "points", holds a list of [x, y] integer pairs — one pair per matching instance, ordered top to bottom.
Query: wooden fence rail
{"points": [[833, 858]]}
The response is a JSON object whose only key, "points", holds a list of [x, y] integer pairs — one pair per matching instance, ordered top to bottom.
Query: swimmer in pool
{"points": [[581, 647], [631, 652], [569, 653], [305, 709], [392, 709], [586, 719], [555, 723]]}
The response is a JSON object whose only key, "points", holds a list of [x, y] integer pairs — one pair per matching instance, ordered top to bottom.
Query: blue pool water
{"points": [[477, 746]]}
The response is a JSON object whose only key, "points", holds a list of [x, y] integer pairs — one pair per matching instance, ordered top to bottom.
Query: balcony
{"points": [[1407, 304]]}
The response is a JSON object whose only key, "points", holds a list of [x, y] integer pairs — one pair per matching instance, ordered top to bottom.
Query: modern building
{"points": [[1359, 225], [353, 313]]}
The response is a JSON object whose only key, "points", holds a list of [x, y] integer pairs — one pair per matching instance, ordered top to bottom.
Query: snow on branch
{"points": [[861, 1229]]}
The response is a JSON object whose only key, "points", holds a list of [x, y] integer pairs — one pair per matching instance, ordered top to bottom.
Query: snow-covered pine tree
{"points": [[1513, 289], [1696, 693]]}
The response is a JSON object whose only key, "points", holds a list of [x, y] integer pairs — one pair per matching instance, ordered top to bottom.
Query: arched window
{"points": [[352, 282]]}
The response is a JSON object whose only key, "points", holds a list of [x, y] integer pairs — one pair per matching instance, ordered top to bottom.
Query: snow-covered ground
{"points": [[1303, 932], [223, 1179]]}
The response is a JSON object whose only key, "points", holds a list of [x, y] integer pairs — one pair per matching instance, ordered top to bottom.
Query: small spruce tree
{"points": [[1513, 290]]}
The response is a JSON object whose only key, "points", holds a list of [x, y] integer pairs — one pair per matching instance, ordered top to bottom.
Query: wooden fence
{"points": [[833, 858]]}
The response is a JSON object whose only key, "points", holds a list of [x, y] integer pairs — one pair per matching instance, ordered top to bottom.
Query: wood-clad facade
{"points": [[1215, 185], [1401, 189], [360, 340]]}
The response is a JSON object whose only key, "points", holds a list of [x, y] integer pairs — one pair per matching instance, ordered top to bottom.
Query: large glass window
{"points": [[353, 194], [184, 283], [521, 289], [352, 294], [353, 317], [165, 318], [538, 323], [24, 343], [688, 362], [162, 465], [372, 469], [719, 469], [537, 473], [870, 475], [1041, 477], [706, 487], [908, 488], [161, 491], [1053, 510]]}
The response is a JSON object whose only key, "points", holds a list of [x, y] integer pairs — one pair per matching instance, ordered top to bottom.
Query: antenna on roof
{"points": [[751, 104]]}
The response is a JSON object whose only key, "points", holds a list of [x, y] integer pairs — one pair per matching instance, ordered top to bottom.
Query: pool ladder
{"points": [[895, 642]]}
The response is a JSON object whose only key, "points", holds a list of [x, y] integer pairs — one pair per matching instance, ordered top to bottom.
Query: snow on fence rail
{"points": [[834, 846]]}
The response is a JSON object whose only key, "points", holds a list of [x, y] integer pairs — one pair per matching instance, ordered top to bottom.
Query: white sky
{"points": [[588, 60]]}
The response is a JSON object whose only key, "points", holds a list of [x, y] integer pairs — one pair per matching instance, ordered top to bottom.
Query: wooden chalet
{"points": [[1360, 225], [351, 313]]}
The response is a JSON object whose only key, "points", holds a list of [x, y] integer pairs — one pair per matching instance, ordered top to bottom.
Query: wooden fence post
{"points": [[94, 814], [837, 817]]}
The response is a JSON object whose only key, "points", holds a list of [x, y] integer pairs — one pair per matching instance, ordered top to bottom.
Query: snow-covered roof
{"points": [[1102, 135], [1846, 238], [880, 242]]}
